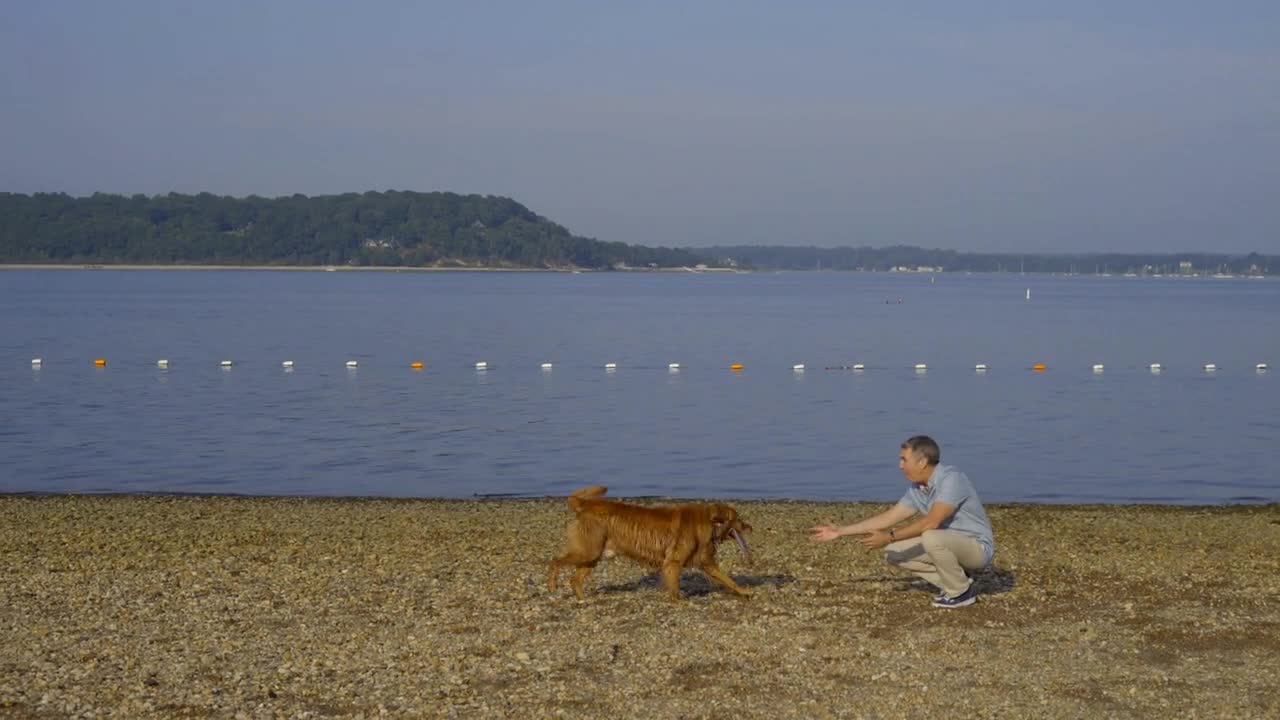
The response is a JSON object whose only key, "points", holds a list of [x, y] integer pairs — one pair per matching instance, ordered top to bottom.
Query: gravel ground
{"points": [[143, 607]]}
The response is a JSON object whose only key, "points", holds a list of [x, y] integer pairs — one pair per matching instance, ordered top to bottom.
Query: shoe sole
{"points": [[952, 606]]}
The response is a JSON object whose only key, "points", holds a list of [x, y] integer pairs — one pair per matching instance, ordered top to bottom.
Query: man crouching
{"points": [[951, 538]]}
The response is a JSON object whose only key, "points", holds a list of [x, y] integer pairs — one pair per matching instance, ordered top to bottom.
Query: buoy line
{"points": [[1155, 368]]}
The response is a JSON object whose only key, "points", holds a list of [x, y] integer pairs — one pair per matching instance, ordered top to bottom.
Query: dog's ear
{"points": [[721, 514]]}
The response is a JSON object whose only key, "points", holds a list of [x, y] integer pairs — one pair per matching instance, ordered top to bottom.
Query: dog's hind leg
{"points": [[714, 572]]}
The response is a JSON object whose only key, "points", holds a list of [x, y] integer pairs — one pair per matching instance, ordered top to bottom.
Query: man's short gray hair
{"points": [[924, 445]]}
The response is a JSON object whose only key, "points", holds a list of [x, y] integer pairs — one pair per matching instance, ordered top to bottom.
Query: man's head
{"points": [[917, 457]]}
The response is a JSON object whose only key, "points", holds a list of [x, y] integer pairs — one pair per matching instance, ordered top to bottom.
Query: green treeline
{"points": [[437, 229], [441, 229], [889, 258]]}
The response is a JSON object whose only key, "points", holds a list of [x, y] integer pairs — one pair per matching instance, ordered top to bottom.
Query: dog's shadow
{"points": [[695, 584]]}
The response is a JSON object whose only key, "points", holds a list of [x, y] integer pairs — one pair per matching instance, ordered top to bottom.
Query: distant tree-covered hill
{"points": [[372, 228], [913, 258]]}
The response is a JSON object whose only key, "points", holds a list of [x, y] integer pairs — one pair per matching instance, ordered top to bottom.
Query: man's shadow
{"points": [[991, 580], [695, 584]]}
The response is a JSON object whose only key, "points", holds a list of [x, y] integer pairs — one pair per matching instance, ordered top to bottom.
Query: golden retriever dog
{"points": [[669, 538]]}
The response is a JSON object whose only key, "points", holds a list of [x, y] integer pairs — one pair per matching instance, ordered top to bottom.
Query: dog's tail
{"points": [[587, 493]]}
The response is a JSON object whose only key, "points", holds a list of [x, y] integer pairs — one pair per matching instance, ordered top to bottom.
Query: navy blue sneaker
{"points": [[968, 597]]}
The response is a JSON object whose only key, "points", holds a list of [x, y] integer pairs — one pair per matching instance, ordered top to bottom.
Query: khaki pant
{"points": [[940, 557]]}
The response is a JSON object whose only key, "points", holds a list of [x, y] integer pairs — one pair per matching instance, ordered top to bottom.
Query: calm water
{"points": [[1065, 435]]}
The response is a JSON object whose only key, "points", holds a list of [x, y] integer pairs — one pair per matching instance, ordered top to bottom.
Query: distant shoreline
{"points": [[289, 268], [360, 268], [498, 269]]}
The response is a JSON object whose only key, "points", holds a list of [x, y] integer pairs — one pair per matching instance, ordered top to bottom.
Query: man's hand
{"points": [[824, 532], [875, 539]]}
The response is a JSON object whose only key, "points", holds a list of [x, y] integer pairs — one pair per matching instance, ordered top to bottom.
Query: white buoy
{"points": [[1028, 293], [36, 362], [162, 363], [226, 363], [287, 364], [482, 365], [546, 366], [611, 366], [670, 366], [799, 367], [859, 367], [921, 367], [980, 367], [1156, 367], [1210, 367], [1261, 367], [1098, 368]]}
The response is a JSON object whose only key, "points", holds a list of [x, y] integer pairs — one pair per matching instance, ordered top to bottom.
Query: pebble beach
{"points": [[237, 607]]}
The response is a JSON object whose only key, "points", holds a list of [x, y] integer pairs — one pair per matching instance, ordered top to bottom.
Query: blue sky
{"points": [[988, 126]]}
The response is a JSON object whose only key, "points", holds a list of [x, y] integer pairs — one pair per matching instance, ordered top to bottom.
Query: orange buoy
{"points": [[100, 362], [416, 365], [735, 367], [1039, 367]]}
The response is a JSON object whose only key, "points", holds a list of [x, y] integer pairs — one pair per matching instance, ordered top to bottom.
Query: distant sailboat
{"points": [[1028, 293]]}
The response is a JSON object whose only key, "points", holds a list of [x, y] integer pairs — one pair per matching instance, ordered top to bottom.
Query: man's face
{"points": [[914, 466]]}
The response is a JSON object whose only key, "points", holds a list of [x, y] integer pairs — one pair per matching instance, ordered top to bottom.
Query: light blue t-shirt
{"points": [[953, 487]]}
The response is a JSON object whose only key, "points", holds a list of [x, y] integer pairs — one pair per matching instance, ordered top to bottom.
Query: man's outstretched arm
{"points": [[938, 514], [888, 518]]}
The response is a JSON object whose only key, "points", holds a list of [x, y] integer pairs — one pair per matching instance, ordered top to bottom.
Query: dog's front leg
{"points": [[714, 572], [553, 576], [579, 578], [671, 580]]}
